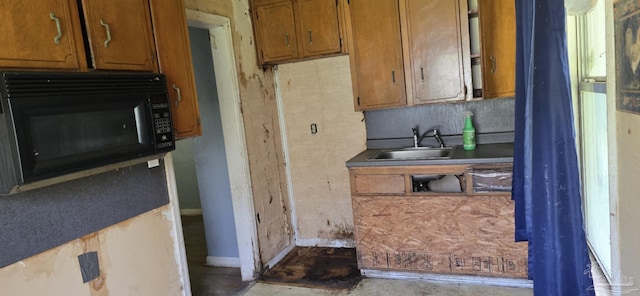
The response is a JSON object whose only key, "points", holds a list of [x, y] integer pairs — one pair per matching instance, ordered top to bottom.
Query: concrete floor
{"points": [[384, 287]]}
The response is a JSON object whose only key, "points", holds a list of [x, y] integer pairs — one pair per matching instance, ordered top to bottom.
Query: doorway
{"points": [[242, 211]]}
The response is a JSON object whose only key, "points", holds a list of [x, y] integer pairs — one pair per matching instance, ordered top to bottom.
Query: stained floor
{"points": [[316, 267]]}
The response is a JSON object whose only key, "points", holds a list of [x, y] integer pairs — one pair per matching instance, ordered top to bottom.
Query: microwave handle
{"points": [[177, 89]]}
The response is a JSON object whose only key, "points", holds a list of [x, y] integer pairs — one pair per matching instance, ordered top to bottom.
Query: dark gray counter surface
{"points": [[484, 153]]}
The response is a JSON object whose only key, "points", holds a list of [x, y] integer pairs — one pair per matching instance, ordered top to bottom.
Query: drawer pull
{"points": [[57, 20], [108, 30]]}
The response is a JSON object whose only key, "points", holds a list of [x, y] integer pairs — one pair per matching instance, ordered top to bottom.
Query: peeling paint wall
{"points": [[319, 92], [257, 95], [136, 257]]}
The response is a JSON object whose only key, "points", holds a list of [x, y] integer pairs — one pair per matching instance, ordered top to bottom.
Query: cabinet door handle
{"points": [[57, 20], [108, 30], [286, 39], [310, 40], [493, 64], [422, 73], [393, 75], [177, 89]]}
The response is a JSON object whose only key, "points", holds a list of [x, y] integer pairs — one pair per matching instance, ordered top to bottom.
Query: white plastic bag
{"points": [[579, 7]]}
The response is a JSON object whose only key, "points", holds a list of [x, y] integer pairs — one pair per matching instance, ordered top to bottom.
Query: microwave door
{"points": [[64, 134]]}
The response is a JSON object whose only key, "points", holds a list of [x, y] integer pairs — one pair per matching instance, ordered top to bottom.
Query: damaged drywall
{"points": [[135, 257]]}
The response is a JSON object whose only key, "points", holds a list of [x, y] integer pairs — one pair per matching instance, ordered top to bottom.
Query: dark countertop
{"points": [[484, 153]]}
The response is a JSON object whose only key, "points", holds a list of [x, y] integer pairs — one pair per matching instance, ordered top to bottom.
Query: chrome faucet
{"points": [[417, 138]]}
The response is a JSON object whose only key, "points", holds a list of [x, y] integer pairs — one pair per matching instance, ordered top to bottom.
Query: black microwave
{"points": [[53, 123]]}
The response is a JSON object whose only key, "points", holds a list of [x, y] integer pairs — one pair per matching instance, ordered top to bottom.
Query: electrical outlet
{"points": [[89, 266]]}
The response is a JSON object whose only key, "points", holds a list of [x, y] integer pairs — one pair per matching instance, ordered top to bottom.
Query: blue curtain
{"points": [[546, 184]]}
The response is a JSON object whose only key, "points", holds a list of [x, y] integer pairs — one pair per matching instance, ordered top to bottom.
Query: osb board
{"points": [[439, 234]]}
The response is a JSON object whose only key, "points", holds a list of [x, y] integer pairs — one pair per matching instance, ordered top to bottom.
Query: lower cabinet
{"points": [[463, 227]]}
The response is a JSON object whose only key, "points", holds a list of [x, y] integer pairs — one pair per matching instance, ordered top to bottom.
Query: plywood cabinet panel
{"points": [[41, 34], [120, 34], [498, 34], [438, 50], [174, 54], [377, 55], [378, 184], [470, 233]]}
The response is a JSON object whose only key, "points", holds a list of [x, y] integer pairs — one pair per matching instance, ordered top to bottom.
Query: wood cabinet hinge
{"points": [[340, 42], [465, 91], [198, 121]]}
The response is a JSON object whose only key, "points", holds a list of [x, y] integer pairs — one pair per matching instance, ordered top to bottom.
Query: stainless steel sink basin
{"points": [[421, 153]]}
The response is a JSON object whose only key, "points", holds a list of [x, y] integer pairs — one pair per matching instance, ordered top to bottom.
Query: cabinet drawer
{"points": [[365, 184]]}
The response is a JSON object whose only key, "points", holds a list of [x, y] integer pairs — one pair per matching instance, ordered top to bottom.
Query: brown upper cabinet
{"points": [[290, 30], [41, 34], [49, 35], [120, 35], [498, 35], [424, 48], [408, 52], [437, 52], [174, 55], [377, 69]]}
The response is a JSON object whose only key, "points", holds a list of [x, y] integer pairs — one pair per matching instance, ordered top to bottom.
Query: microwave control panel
{"points": [[162, 126]]}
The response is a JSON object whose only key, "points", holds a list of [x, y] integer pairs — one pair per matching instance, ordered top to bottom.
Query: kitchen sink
{"points": [[420, 153]]}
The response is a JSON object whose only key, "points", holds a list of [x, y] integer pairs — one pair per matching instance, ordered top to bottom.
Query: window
{"points": [[592, 130]]}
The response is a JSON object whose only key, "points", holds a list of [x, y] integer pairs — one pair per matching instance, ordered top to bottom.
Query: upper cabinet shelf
{"points": [[290, 30]]}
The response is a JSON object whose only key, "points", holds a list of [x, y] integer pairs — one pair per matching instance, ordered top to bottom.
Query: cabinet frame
{"points": [[297, 38]]}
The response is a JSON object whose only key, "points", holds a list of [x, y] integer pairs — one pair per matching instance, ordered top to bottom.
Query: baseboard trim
{"points": [[190, 212], [329, 243], [279, 256], [223, 261], [445, 278]]}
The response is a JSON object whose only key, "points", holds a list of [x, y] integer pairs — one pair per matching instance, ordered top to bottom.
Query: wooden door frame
{"points": [[234, 137]]}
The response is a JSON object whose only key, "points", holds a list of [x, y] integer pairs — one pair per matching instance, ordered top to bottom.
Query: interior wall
{"points": [[319, 92], [264, 147], [210, 155], [186, 177], [626, 241], [136, 257]]}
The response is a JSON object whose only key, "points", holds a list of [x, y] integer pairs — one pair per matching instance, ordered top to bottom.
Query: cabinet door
{"points": [[318, 27], [276, 32], [40, 34], [120, 34], [498, 35], [438, 47], [174, 58], [378, 71]]}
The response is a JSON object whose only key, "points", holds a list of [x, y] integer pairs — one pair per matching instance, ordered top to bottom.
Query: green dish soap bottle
{"points": [[468, 133]]}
